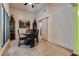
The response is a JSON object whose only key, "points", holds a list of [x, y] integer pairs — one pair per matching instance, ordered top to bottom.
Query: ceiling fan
{"points": [[33, 4]]}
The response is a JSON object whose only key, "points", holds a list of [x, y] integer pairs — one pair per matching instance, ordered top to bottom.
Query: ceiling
{"points": [[28, 7]]}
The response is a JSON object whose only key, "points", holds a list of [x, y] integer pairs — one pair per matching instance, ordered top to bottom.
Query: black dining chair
{"points": [[36, 33], [20, 38]]}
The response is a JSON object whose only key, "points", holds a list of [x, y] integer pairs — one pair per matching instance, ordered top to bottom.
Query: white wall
{"points": [[21, 15], [60, 24]]}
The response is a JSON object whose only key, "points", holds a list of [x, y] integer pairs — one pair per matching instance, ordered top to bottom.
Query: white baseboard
{"points": [[59, 46], [2, 50], [76, 53]]}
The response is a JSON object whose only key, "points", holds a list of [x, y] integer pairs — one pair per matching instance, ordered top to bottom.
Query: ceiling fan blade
{"points": [[25, 3], [32, 6]]}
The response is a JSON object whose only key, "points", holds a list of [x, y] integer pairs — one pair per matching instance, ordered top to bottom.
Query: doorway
{"points": [[44, 28]]}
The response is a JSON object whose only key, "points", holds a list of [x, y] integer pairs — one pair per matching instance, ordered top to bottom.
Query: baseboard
{"points": [[44, 39], [60, 46], [2, 50], [76, 53], [73, 54]]}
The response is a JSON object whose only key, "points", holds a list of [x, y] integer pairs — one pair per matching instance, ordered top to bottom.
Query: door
{"points": [[44, 29]]}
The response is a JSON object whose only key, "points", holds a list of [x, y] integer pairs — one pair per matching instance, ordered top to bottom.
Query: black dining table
{"points": [[27, 34], [29, 38]]}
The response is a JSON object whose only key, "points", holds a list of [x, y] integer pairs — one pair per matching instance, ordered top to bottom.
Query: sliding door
{"points": [[3, 25], [0, 28], [7, 31]]}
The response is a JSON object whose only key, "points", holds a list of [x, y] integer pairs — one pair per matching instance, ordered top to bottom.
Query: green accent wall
{"points": [[76, 30], [77, 40]]}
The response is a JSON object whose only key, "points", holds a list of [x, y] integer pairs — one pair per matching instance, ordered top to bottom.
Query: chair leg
{"points": [[37, 39], [19, 43], [32, 44]]}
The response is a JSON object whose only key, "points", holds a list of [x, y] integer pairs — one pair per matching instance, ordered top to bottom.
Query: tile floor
{"points": [[44, 48]]}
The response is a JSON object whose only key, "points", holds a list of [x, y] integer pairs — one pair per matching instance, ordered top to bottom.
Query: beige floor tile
{"points": [[44, 48]]}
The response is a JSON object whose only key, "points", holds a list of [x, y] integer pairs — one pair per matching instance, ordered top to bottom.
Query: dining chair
{"points": [[36, 33], [20, 38]]}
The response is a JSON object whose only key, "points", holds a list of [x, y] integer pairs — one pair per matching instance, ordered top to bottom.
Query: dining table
{"points": [[28, 35]]}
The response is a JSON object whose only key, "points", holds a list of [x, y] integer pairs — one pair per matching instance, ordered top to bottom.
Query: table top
{"points": [[27, 33]]}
